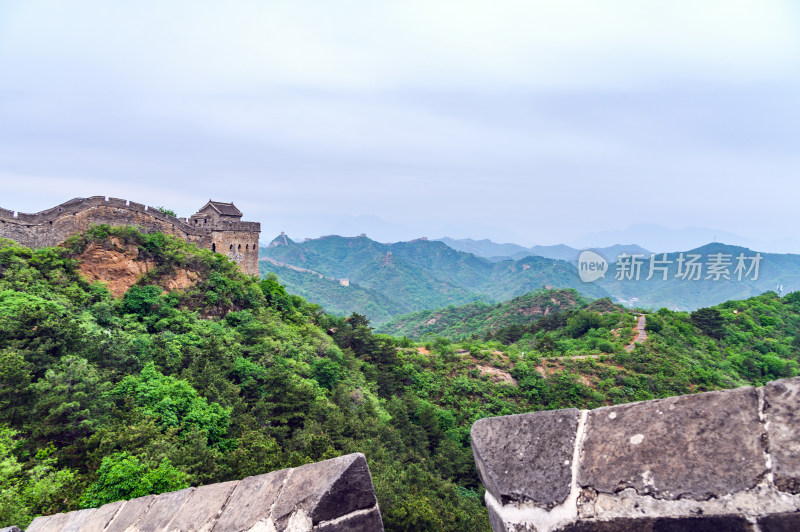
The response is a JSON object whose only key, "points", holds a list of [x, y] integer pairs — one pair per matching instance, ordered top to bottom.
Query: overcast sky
{"points": [[532, 121]]}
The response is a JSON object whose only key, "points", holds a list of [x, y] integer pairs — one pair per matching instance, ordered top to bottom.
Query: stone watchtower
{"points": [[217, 226], [229, 234]]}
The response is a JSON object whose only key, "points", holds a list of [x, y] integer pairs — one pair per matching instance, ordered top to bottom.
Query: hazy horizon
{"points": [[526, 122]]}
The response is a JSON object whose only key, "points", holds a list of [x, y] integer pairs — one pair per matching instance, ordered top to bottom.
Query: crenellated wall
{"points": [[53, 226], [726, 460]]}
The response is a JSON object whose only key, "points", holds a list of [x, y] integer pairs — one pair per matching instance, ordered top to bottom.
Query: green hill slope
{"points": [[336, 298], [480, 318]]}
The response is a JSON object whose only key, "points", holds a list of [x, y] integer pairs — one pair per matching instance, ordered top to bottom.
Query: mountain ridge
{"points": [[421, 273]]}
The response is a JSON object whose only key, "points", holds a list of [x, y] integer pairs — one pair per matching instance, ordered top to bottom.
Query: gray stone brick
{"points": [[697, 446], [526, 457]]}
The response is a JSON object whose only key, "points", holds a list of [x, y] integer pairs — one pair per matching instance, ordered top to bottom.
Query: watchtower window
{"points": [[214, 247], [231, 247], [240, 247], [246, 247]]}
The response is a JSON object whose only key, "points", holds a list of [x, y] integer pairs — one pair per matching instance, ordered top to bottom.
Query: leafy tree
{"points": [[168, 212], [276, 294], [142, 300], [709, 320], [582, 322], [40, 329], [15, 380], [174, 402], [70, 404], [123, 476], [26, 492]]}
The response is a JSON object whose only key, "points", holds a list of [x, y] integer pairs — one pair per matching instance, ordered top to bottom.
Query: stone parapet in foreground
{"points": [[717, 461], [333, 495]]}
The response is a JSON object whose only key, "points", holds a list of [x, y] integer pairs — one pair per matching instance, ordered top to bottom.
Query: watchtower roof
{"points": [[225, 209]]}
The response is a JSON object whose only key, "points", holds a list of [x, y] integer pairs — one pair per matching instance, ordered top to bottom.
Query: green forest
{"points": [[107, 398]]}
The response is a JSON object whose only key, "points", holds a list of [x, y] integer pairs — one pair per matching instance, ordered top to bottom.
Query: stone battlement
{"points": [[77, 205], [226, 234], [725, 460], [328, 496]]}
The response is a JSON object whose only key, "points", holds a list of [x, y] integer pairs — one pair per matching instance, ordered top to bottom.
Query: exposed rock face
{"points": [[120, 267], [497, 374], [726, 460], [333, 495]]}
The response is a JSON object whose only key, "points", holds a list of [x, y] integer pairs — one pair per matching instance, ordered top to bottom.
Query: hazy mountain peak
{"points": [[281, 240]]}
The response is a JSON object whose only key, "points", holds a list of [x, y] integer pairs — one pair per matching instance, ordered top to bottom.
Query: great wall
{"points": [[216, 226]]}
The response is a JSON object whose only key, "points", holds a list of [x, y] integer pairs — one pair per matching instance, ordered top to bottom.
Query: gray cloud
{"points": [[534, 121]]}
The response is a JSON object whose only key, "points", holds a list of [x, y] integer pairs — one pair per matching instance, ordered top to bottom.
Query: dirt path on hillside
{"points": [[641, 334]]}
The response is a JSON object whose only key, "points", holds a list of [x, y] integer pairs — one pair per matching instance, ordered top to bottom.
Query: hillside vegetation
{"points": [[480, 318], [107, 398]]}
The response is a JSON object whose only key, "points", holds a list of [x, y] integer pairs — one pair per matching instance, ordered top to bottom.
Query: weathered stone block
{"points": [[781, 401], [696, 446], [526, 457], [326, 490], [251, 501], [203, 507], [162, 510], [129, 514], [100, 517], [77, 520], [496, 520], [358, 522], [785, 522], [48, 523], [723, 523], [11, 529]]}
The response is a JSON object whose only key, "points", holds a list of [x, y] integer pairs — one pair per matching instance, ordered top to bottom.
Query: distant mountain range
{"points": [[661, 239], [497, 252], [410, 276], [383, 281], [676, 293]]}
